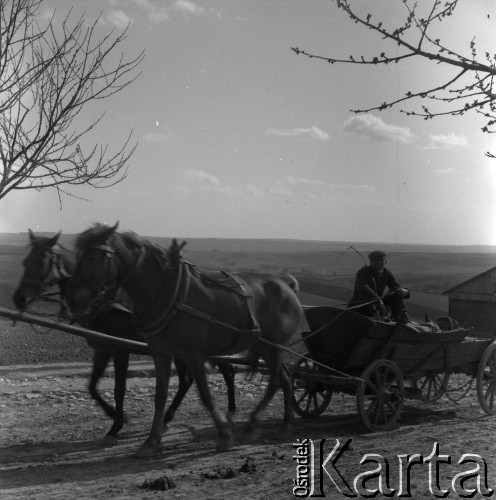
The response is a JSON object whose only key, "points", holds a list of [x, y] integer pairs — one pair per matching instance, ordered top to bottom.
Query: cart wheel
{"points": [[486, 380], [432, 386], [380, 396], [310, 397]]}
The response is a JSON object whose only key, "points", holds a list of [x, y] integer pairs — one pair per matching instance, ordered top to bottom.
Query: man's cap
{"points": [[377, 254]]}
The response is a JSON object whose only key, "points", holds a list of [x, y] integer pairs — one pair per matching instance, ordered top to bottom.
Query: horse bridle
{"points": [[55, 269], [101, 287]]}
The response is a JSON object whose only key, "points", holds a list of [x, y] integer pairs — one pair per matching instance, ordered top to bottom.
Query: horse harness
{"points": [[58, 266], [56, 269], [231, 282], [168, 306]]}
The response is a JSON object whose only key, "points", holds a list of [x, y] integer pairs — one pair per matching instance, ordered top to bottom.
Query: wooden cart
{"points": [[383, 364]]}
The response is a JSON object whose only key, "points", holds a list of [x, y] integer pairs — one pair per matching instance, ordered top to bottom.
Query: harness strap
{"points": [[59, 270], [240, 288], [250, 301], [162, 313], [202, 315], [155, 320]]}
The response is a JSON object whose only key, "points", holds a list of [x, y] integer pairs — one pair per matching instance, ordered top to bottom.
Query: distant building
{"points": [[473, 302]]}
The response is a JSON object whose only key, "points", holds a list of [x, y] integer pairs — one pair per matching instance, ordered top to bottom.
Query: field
{"points": [[325, 271], [50, 430]]}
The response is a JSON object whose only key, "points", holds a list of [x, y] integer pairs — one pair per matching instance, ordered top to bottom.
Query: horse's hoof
{"points": [[230, 421], [284, 433], [250, 434], [109, 440], [224, 444], [145, 451]]}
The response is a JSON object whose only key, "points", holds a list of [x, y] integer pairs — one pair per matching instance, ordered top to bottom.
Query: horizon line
{"points": [[363, 242]]}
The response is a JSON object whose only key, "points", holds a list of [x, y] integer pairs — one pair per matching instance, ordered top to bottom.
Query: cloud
{"points": [[188, 7], [47, 13], [159, 13], [116, 18], [377, 130], [303, 133], [156, 137], [449, 141], [443, 171], [203, 177], [305, 180], [200, 181], [204, 182], [316, 182], [360, 188], [277, 190]]}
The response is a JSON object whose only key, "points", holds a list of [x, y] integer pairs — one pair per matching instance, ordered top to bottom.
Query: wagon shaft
{"points": [[73, 330]]}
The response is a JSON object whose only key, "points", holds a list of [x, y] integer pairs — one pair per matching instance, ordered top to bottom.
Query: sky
{"points": [[239, 137]]}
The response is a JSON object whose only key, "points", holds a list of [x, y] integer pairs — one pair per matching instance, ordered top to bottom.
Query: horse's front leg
{"points": [[101, 357], [162, 364], [121, 365], [196, 367], [228, 373], [278, 378], [185, 382]]}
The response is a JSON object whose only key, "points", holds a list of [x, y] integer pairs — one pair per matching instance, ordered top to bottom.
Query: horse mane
{"points": [[87, 238], [129, 238], [133, 240]]}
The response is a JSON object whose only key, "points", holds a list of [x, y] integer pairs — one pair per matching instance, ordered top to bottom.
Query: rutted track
{"points": [[50, 432]]}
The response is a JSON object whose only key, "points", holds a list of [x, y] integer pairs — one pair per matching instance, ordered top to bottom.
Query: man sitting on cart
{"points": [[368, 296]]}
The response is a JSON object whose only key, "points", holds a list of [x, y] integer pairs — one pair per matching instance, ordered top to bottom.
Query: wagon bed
{"points": [[348, 341], [385, 363]]}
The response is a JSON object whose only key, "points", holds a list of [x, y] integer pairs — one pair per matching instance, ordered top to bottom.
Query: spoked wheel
{"points": [[486, 380], [432, 386], [380, 396], [310, 397]]}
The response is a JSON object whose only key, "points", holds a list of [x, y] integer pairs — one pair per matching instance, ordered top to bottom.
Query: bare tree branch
{"points": [[48, 73], [458, 94]]}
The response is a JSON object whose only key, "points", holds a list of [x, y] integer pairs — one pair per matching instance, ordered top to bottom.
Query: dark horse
{"points": [[49, 264], [189, 313]]}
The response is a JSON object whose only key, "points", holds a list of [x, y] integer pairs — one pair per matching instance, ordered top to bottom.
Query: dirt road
{"points": [[50, 444]]}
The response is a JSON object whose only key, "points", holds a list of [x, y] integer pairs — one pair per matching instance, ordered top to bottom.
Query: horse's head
{"points": [[44, 267], [98, 270]]}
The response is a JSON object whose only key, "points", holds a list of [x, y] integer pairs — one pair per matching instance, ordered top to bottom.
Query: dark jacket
{"points": [[369, 285]]}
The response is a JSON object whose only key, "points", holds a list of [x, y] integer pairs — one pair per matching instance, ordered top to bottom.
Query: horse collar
{"points": [[58, 267], [164, 309]]}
